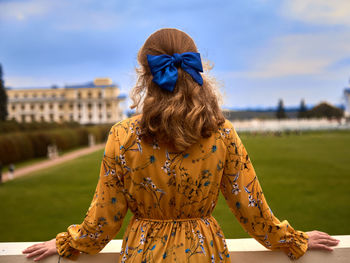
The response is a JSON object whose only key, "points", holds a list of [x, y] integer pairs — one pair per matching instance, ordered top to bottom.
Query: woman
{"points": [[168, 165]]}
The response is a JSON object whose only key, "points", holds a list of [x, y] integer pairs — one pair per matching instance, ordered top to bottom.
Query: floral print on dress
{"points": [[172, 196]]}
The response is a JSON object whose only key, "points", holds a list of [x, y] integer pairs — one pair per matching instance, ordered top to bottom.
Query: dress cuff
{"points": [[298, 242], [63, 246]]}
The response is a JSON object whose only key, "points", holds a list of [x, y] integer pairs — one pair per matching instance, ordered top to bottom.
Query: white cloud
{"points": [[26, 9], [320, 12], [63, 15], [89, 20], [299, 54], [313, 66], [27, 81]]}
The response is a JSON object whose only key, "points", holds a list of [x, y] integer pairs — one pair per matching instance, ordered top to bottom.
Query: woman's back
{"points": [[168, 184], [172, 196]]}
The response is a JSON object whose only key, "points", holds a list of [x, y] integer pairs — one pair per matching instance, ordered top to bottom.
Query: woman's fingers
{"points": [[323, 235], [321, 240], [328, 241], [323, 247], [32, 248], [41, 250], [37, 252]]}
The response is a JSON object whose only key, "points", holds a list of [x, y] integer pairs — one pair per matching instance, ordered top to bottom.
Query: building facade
{"points": [[96, 102]]}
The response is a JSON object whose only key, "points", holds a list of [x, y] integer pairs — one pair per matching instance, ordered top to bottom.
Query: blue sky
{"points": [[262, 50]]}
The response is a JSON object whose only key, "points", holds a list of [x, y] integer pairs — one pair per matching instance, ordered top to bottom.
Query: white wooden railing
{"points": [[256, 125], [244, 250]]}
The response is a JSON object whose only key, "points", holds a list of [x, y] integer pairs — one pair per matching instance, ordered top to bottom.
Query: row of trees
{"points": [[322, 110]]}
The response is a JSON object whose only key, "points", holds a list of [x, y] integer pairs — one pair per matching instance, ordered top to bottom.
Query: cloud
{"points": [[23, 10], [319, 12], [64, 15], [89, 20], [299, 54], [313, 66], [27, 81]]}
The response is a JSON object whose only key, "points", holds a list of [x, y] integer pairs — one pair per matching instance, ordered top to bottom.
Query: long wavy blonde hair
{"points": [[179, 118]]}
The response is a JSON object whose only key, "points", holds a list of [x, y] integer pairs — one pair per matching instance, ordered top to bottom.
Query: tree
{"points": [[3, 98], [325, 110], [280, 113], [302, 113]]}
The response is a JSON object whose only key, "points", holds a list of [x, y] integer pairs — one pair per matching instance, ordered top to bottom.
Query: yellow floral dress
{"points": [[172, 196]]}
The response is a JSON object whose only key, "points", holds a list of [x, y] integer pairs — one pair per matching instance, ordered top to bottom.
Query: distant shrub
{"points": [[325, 110], [11, 126], [100, 132], [23, 145], [15, 147]]}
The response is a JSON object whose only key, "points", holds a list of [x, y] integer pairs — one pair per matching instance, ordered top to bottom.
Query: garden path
{"points": [[48, 163]]}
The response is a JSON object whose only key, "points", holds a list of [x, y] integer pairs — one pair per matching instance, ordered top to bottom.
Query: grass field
{"points": [[305, 178]]}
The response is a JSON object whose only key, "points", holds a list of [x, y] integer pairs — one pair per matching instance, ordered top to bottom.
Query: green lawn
{"points": [[305, 178]]}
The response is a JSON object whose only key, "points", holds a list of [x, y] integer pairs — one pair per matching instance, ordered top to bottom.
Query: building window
{"points": [[100, 94], [34, 95], [79, 95], [89, 95], [16, 96], [108, 105], [22, 106], [32, 106], [50, 106], [60, 106], [71, 106], [79, 106], [89, 106], [100, 106], [13, 107], [41, 107], [108, 115], [79, 116], [90, 116], [32, 117], [51, 117], [61, 117], [71, 117], [23, 118], [42, 118]]}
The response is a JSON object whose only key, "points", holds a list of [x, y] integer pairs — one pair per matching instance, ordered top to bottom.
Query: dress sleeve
{"points": [[243, 194], [106, 212]]}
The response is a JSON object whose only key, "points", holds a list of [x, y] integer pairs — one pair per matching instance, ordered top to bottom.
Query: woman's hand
{"points": [[321, 240], [41, 250]]}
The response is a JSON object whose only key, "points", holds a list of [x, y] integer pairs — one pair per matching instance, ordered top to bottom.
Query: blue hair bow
{"points": [[164, 68]]}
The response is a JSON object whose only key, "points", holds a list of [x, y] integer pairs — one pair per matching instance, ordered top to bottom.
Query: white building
{"points": [[95, 102]]}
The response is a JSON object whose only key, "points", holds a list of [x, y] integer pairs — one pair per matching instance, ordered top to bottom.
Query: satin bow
{"points": [[164, 68]]}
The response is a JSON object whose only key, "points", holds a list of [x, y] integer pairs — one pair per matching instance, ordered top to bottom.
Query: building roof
{"points": [[91, 84], [88, 85], [34, 88], [122, 96]]}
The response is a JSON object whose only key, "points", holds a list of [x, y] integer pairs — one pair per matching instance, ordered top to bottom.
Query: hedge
{"points": [[11, 126], [20, 146]]}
